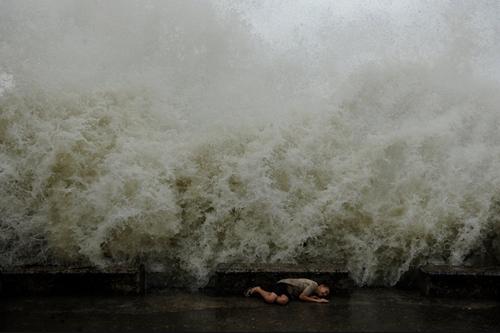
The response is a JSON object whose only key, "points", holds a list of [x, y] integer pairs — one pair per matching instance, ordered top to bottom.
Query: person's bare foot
{"points": [[250, 291]]}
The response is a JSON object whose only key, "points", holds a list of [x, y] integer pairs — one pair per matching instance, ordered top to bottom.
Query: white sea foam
{"points": [[185, 134]]}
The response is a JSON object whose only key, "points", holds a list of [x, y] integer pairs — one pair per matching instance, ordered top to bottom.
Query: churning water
{"points": [[183, 134]]}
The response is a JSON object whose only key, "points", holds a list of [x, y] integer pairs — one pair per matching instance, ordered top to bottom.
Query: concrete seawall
{"points": [[233, 279], [59, 280], [483, 282]]}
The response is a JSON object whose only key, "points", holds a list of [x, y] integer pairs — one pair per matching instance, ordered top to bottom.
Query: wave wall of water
{"points": [[184, 134]]}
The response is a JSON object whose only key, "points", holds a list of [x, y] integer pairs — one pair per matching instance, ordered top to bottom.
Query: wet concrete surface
{"points": [[362, 310]]}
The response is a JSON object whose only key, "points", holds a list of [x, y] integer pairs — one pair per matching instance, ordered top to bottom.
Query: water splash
{"points": [[184, 134]]}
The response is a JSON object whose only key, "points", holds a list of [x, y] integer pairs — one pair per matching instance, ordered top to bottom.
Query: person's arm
{"points": [[306, 295], [314, 299]]}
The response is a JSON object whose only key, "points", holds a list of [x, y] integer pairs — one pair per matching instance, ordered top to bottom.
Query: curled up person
{"points": [[287, 289]]}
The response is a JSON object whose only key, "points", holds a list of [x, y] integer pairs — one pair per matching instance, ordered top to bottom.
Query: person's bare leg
{"points": [[269, 297]]}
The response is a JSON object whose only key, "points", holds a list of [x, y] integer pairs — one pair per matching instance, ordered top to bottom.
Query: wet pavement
{"points": [[362, 310]]}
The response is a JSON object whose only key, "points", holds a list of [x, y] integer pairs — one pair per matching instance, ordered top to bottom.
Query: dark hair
{"points": [[324, 282]]}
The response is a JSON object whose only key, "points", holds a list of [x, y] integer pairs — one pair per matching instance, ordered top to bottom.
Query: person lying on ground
{"points": [[285, 290]]}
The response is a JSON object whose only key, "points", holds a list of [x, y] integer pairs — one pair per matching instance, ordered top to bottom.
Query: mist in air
{"points": [[183, 134]]}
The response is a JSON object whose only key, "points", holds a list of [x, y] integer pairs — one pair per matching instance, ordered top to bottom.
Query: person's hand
{"points": [[315, 297], [322, 300]]}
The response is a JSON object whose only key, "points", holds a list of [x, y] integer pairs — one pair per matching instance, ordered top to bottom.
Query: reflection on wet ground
{"points": [[362, 310]]}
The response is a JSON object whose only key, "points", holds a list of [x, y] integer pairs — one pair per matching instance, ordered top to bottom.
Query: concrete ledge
{"points": [[235, 278], [63, 280], [459, 281]]}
